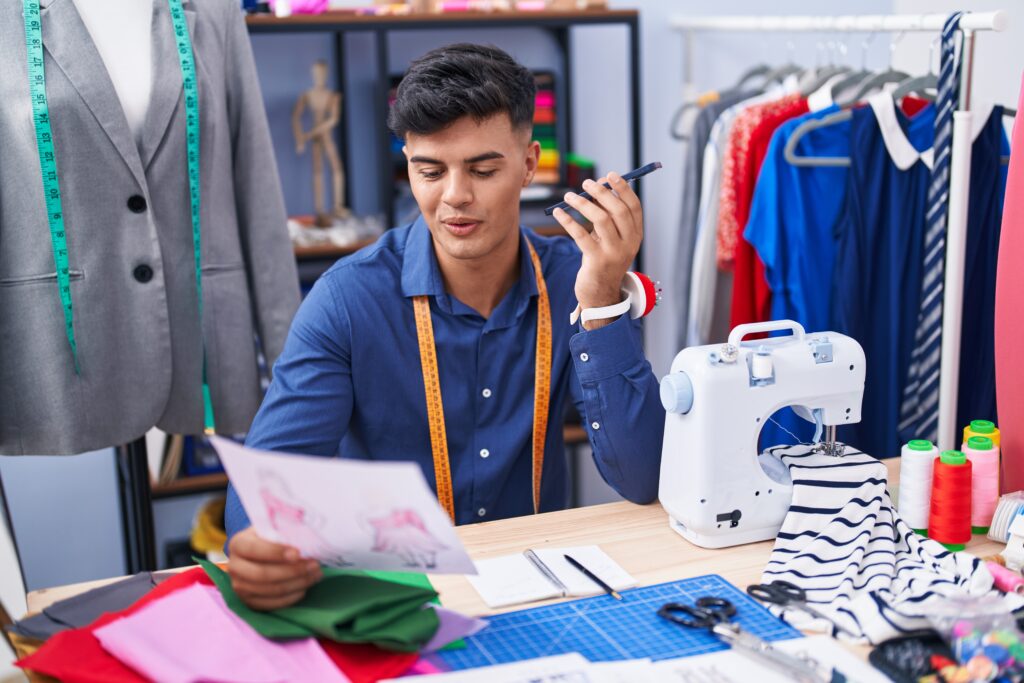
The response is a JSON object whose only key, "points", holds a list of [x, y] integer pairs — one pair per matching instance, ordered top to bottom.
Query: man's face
{"points": [[466, 180]]}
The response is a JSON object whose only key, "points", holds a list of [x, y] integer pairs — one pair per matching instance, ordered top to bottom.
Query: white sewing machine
{"points": [[713, 486]]}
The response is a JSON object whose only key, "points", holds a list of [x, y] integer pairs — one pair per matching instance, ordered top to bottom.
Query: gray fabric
{"points": [[693, 166], [139, 343], [82, 610]]}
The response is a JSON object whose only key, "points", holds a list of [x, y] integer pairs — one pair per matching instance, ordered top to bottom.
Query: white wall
{"points": [[999, 57]]}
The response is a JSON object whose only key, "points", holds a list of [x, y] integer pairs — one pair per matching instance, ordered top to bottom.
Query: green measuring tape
{"points": [[48, 165], [51, 181]]}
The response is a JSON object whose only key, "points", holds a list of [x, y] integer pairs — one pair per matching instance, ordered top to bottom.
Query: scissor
{"points": [[786, 594], [715, 615]]}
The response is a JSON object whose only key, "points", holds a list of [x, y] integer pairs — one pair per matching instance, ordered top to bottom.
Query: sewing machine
{"points": [[718, 397]]}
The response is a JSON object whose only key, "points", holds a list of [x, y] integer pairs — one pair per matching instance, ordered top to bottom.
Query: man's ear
{"points": [[532, 159]]}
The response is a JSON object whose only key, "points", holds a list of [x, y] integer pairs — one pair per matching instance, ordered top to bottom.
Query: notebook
{"points": [[543, 573]]}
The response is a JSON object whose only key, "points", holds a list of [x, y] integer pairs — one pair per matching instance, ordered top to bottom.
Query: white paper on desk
{"points": [[346, 513], [732, 667], [568, 668]]}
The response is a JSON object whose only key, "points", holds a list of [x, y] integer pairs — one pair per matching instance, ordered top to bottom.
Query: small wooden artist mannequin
{"points": [[325, 106]]}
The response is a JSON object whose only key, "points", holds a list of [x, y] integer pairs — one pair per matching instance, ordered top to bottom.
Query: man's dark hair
{"points": [[460, 80]]}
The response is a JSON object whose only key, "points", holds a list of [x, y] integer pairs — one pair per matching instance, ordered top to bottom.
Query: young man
{"points": [[351, 381]]}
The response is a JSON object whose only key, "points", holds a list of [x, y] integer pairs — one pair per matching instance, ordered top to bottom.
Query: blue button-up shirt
{"points": [[349, 380]]}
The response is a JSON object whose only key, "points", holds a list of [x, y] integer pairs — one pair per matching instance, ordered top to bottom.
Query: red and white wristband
{"points": [[640, 293]]}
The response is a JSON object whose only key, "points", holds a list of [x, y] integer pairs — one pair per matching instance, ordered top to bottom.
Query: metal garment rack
{"points": [[960, 161]]}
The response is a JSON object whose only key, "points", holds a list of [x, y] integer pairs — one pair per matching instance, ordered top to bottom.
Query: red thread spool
{"points": [[949, 521]]}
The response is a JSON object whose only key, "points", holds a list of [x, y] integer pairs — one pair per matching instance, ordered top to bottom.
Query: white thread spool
{"points": [[761, 364], [984, 457], [916, 463], [1009, 507]]}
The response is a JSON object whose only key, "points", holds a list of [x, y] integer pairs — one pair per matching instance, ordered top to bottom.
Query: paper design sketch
{"points": [[346, 513], [296, 524], [404, 534]]}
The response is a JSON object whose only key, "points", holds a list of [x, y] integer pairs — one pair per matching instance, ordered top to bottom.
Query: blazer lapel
{"points": [[68, 41], [167, 84]]}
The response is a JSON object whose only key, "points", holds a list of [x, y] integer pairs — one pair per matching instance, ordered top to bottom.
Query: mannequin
{"points": [[325, 106], [141, 346]]}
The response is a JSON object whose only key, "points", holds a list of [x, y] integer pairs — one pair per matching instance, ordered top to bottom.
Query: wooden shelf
{"points": [[340, 20], [323, 251], [203, 483], [211, 483]]}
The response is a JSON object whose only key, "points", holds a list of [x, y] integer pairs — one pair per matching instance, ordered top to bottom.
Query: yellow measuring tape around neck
{"points": [[432, 386]]}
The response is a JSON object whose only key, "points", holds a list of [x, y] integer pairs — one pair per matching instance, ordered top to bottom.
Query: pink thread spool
{"points": [[984, 457], [1006, 580]]}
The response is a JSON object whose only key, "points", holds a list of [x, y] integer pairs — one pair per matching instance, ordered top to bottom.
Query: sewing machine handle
{"points": [[741, 331]]}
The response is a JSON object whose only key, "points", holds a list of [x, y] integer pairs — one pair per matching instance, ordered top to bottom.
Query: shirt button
{"points": [[136, 203], [143, 273], [584, 357], [486, 393], [595, 425], [484, 453], [481, 512]]}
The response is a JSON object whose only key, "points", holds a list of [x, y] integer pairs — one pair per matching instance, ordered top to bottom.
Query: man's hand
{"points": [[608, 252], [268, 575]]}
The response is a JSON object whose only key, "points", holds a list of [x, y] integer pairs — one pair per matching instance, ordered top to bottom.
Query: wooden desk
{"points": [[637, 537]]}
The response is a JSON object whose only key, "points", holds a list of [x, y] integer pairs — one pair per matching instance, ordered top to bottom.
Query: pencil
{"points": [[593, 577]]}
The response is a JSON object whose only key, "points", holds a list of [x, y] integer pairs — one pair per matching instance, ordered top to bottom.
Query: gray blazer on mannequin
{"points": [[129, 236]]}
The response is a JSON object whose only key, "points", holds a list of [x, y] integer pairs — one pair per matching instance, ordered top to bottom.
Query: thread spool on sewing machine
{"points": [[718, 397]]}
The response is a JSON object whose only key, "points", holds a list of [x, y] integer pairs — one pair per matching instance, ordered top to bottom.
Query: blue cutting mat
{"points": [[602, 628]]}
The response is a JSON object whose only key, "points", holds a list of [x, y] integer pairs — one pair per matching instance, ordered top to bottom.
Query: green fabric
{"points": [[422, 581], [346, 606]]}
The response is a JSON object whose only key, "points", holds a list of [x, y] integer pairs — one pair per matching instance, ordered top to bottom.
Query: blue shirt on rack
{"points": [[793, 216], [878, 269], [349, 381]]}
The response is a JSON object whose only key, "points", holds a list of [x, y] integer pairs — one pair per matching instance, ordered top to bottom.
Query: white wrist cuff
{"points": [[641, 296]]}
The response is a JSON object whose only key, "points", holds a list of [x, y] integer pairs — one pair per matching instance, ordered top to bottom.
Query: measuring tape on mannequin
{"points": [[51, 179], [435, 408]]}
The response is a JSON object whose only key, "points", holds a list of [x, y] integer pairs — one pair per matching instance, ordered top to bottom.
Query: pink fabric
{"points": [[304, 6], [1010, 317], [192, 635]]}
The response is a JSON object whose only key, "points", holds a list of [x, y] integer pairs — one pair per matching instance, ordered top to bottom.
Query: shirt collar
{"points": [[901, 150], [421, 274]]}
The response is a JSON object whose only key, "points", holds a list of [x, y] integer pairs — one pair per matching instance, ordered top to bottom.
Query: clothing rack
{"points": [[960, 160]]}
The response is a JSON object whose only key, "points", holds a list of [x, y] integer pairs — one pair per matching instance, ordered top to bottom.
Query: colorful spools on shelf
{"points": [[984, 457], [915, 494], [949, 519]]}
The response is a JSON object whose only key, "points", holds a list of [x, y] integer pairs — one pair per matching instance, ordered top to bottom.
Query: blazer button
{"points": [[136, 203], [143, 273]]}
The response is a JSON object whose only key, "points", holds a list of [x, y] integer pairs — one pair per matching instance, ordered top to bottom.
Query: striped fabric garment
{"points": [[861, 565]]}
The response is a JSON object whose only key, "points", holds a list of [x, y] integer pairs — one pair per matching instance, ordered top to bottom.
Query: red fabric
{"points": [[911, 105], [751, 296], [1010, 318], [76, 656], [368, 663]]}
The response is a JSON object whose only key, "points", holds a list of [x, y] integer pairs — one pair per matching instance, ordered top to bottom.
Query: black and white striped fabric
{"points": [[861, 565]]}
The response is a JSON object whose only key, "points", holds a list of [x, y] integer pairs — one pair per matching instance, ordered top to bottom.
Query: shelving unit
{"points": [[559, 24]]}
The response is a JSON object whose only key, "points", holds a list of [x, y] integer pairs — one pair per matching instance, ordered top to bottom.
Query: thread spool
{"points": [[982, 428], [984, 459], [915, 496], [1008, 507], [949, 519], [1006, 580]]}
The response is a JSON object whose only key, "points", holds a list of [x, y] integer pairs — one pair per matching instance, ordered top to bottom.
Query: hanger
{"points": [[752, 72], [890, 75], [921, 84], [805, 128]]}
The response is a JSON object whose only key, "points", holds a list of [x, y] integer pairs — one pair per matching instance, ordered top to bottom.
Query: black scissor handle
{"points": [[778, 592], [720, 607], [687, 615]]}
